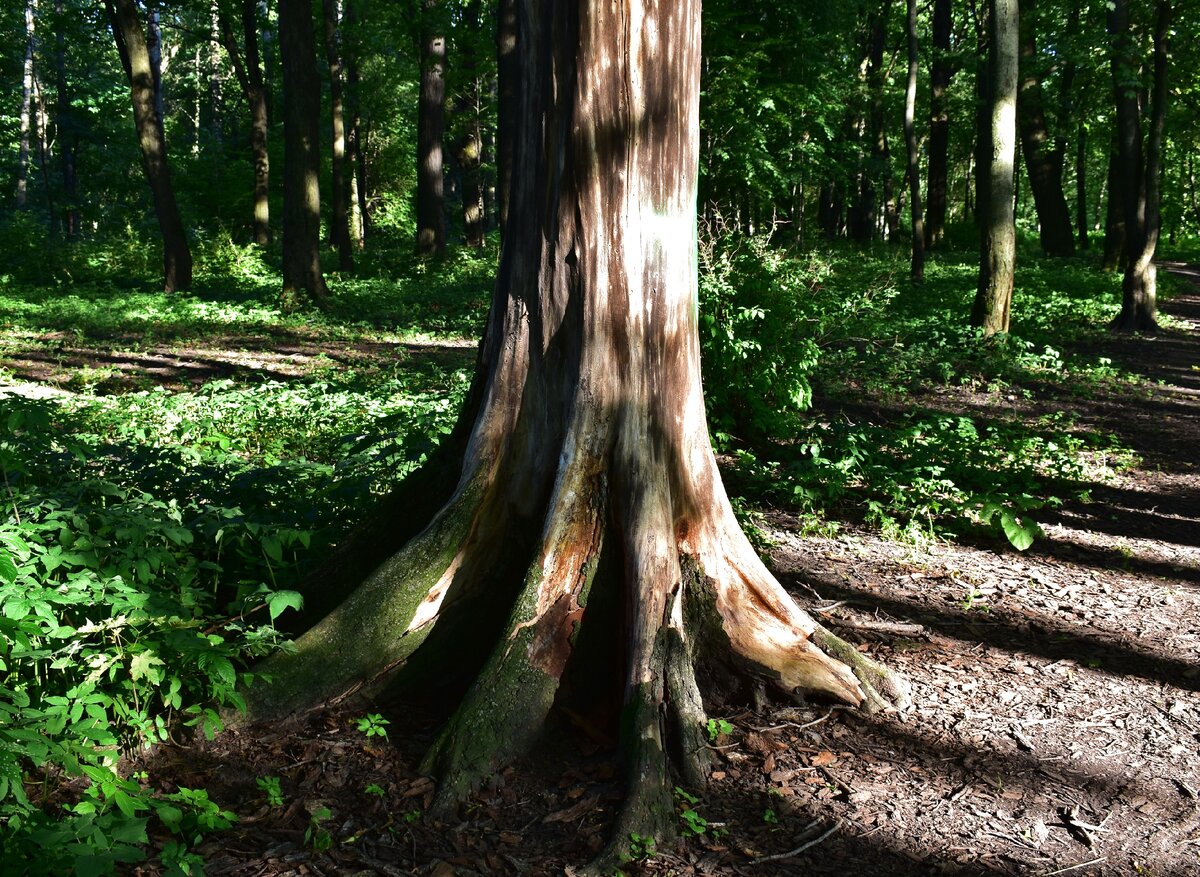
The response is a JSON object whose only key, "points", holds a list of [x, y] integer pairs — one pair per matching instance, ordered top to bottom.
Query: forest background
{"points": [[208, 380]]}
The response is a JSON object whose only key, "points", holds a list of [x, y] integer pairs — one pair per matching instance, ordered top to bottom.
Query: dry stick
{"points": [[798, 850], [1075, 867]]}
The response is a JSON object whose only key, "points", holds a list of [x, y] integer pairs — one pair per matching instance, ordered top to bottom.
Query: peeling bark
{"points": [[588, 474]]}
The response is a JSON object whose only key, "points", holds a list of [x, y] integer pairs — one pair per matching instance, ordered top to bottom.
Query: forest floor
{"points": [[1055, 720], [1054, 730]]}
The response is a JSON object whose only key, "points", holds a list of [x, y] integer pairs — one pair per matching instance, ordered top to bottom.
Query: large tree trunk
{"points": [[135, 57], [941, 71], [249, 75], [431, 123], [301, 155], [914, 155], [1043, 159], [1140, 175], [339, 198], [998, 234], [588, 483]]}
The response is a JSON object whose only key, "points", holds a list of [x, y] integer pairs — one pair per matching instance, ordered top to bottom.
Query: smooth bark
{"points": [[135, 57], [941, 71], [249, 75], [507, 85], [26, 106], [431, 124], [301, 152], [914, 156], [1043, 158], [1140, 166], [339, 196], [998, 236], [589, 536]]}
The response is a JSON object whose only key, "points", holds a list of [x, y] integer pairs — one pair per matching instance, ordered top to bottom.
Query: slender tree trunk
{"points": [[154, 48], [135, 57], [249, 75], [214, 76], [507, 85], [26, 106], [431, 115], [939, 124], [68, 128], [354, 144], [470, 146], [301, 152], [914, 155], [1043, 160], [1140, 174], [1193, 195], [864, 212], [1114, 213], [1081, 218], [339, 230], [998, 237], [587, 484]]}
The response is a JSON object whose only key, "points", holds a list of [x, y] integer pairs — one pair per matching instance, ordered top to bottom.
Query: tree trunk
{"points": [[154, 49], [135, 57], [249, 75], [214, 76], [507, 85], [26, 107], [431, 123], [939, 125], [68, 128], [470, 145], [354, 147], [301, 152], [914, 155], [1043, 160], [1140, 175], [339, 199], [864, 212], [1114, 214], [1081, 218], [998, 235], [588, 483]]}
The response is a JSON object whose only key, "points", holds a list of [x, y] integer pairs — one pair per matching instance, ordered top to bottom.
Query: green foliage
{"points": [[372, 725], [717, 727], [271, 790], [316, 835], [642, 847]]}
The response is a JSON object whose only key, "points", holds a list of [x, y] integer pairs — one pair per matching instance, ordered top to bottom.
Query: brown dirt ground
{"points": [[1055, 726]]}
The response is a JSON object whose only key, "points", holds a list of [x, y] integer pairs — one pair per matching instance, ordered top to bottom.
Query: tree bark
{"points": [[154, 48], [135, 57], [941, 71], [249, 76], [507, 85], [431, 124], [68, 128], [470, 145], [301, 153], [914, 155], [1043, 159], [874, 172], [1140, 174], [22, 194], [339, 199], [1114, 213], [1081, 217], [359, 219], [998, 236], [588, 483]]}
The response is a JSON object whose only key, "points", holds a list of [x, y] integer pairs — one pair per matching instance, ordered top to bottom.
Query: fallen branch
{"points": [[798, 850]]}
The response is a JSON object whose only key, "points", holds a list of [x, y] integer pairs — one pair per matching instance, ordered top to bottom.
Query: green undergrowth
{"points": [[843, 391], [149, 540]]}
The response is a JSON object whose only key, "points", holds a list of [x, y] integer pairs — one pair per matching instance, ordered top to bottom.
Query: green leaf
{"points": [[1019, 533], [8, 569], [281, 600]]}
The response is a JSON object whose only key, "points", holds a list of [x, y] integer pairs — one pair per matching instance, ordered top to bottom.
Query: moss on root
{"points": [[883, 689]]}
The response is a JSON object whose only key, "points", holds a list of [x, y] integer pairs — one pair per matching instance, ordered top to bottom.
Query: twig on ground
{"points": [[798, 850], [1096, 861]]}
